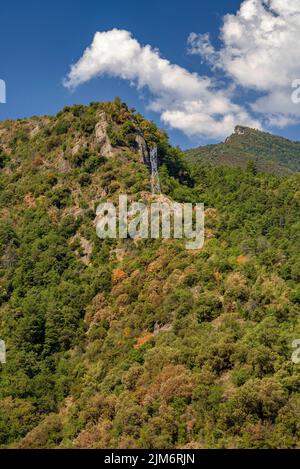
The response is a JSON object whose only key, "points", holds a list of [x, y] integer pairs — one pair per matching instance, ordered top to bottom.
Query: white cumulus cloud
{"points": [[260, 51], [186, 101]]}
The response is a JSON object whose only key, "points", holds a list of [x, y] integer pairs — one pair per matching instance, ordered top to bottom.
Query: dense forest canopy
{"points": [[141, 343]]}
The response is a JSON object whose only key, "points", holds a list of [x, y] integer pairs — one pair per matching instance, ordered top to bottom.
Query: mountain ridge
{"points": [[270, 153], [140, 343]]}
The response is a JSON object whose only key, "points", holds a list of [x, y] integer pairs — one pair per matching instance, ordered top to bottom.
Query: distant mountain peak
{"points": [[271, 153]]}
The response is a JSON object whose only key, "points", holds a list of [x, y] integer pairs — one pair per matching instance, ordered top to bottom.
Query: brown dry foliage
{"points": [[118, 276], [173, 381]]}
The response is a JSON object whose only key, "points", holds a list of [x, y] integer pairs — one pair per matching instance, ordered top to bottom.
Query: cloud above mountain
{"points": [[259, 51], [186, 101]]}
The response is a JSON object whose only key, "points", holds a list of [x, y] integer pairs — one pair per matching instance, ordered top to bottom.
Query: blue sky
{"points": [[40, 40]]}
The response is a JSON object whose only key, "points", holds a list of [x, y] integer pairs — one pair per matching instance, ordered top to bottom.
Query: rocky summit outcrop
{"points": [[240, 130]]}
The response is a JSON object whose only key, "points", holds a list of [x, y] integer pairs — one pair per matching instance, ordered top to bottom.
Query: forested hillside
{"points": [[268, 153], [142, 343]]}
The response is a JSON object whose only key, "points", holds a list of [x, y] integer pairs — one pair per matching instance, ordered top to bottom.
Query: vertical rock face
{"points": [[102, 137], [142, 148], [155, 183], [2, 352]]}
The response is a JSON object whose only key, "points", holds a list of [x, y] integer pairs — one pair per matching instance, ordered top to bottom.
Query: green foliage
{"points": [[62, 127], [3, 159], [209, 307], [132, 344]]}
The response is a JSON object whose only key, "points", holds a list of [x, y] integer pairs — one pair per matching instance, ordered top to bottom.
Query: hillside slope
{"points": [[270, 153], [141, 343]]}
